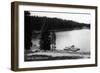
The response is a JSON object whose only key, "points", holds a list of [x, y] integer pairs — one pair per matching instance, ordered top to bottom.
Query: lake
{"points": [[79, 38]]}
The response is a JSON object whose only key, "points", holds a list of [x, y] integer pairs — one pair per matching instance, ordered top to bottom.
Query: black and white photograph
{"points": [[56, 35], [53, 36]]}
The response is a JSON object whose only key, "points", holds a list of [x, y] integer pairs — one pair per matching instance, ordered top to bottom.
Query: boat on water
{"points": [[71, 48]]}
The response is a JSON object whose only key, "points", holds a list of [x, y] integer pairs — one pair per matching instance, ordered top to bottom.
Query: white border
{"points": [[33, 64]]}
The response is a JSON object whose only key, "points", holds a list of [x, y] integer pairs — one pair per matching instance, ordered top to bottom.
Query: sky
{"points": [[79, 17]]}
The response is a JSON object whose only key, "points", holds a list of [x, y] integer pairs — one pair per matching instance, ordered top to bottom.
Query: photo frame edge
{"points": [[14, 36]]}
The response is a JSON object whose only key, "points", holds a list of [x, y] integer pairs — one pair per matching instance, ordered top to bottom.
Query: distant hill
{"points": [[36, 23]]}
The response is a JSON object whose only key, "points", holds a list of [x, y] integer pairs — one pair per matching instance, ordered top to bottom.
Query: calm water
{"points": [[79, 38]]}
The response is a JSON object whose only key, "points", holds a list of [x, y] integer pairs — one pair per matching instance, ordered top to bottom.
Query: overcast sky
{"points": [[79, 17]]}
